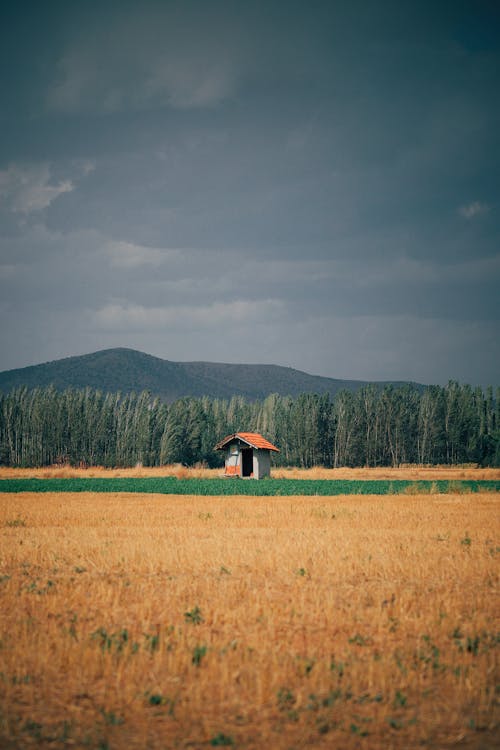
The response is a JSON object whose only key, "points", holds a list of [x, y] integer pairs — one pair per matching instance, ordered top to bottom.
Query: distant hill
{"points": [[126, 370]]}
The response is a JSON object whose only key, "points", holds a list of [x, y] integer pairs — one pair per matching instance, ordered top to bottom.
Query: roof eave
{"points": [[222, 444]]}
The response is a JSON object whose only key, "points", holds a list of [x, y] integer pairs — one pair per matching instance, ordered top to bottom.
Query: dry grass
{"points": [[68, 472], [182, 472], [404, 472], [133, 621]]}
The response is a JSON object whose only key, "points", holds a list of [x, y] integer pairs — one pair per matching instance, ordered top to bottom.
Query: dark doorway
{"points": [[247, 462]]}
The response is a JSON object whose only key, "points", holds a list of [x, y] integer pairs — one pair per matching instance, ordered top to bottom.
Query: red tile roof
{"points": [[252, 438]]}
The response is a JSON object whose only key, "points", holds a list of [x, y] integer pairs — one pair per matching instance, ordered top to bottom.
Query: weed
{"points": [[16, 523], [442, 538], [466, 541], [34, 589], [194, 616], [360, 640], [112, 641], [152, 642], [473, 645], [198, 653], [429, 654], [309, 666], [337, 667], [24, 680], [285, 698], [157, 699], [400, 699], [286, 701], [112, 719], [395, 723], [33, 728], [358, 730], [222, 740]]}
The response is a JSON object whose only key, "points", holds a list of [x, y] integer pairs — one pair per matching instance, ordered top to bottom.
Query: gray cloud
{"points": [[150, 56], [230, 181], [28, 187], [471, 210]]}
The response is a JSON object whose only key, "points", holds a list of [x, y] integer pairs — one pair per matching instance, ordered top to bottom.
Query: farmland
{"points": [[179, 480], [268, 487], [161, 621]]}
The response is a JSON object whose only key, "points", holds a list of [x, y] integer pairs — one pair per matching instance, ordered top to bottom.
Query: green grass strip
{"points": [[272, 487]]}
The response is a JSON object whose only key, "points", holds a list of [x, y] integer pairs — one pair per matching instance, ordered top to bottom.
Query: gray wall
{"points": [[261, 463]]}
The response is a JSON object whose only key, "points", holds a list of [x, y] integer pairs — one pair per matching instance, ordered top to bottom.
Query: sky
{"points": [[309, 184]]}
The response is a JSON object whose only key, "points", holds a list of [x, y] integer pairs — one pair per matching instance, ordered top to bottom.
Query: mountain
{"points": [[126, 370]]}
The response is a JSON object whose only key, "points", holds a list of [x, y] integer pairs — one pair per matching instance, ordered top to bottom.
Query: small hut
{"points": [[248, 454]]}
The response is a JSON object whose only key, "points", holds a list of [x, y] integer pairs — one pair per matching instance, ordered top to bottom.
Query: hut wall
{"points": [[233, 460], [261, 463]]}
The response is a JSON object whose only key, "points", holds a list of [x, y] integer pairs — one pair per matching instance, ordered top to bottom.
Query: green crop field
{"points": [[268, 487]]}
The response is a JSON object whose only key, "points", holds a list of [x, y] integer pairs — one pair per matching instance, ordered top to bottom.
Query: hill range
{"points": [[126, 370]]}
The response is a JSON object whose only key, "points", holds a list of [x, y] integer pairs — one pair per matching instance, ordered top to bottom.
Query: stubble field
{"points": [[148, 621]]}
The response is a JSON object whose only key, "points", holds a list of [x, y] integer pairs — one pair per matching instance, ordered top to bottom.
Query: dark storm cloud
{"points": [[314, 186]]}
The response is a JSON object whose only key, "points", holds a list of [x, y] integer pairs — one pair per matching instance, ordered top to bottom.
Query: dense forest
{"points": [[372, 427]]}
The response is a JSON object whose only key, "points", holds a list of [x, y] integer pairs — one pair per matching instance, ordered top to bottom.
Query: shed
{"points": [[248, 454]]}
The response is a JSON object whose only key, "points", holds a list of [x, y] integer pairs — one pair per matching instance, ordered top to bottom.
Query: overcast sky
{"points": [[312, 184]]}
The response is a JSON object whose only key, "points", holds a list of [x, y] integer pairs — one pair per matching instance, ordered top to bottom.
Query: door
{"points": [[246, 462]]}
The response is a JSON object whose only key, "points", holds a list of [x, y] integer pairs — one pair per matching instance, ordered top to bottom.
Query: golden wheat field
{"points": [[157, 622]]}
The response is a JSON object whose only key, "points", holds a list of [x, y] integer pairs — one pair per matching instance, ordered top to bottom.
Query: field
{"points": [[410, 473], [178, 480], [161, 621]]}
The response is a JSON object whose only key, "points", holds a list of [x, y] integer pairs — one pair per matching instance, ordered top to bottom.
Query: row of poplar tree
{"points": [[372, 427]]}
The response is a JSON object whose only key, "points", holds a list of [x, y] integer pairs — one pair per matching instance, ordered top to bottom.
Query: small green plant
{"points": [[16, 522], [466, 541], [224, 571], [302, 572], [34, 588], [194, 616], [360, 640], [112, 641], [152, 642], [473, 645], [198, 653], [429, 654], [308, 666], [337, 667], [285, 698], [400, 699], [158, 700], [286, 703], [112, 719], [395, 723], [33, 728], [358, 730], [222, 740]]}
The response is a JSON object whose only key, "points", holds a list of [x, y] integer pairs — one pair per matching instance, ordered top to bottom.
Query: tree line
{"points": [[374, 426]]}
